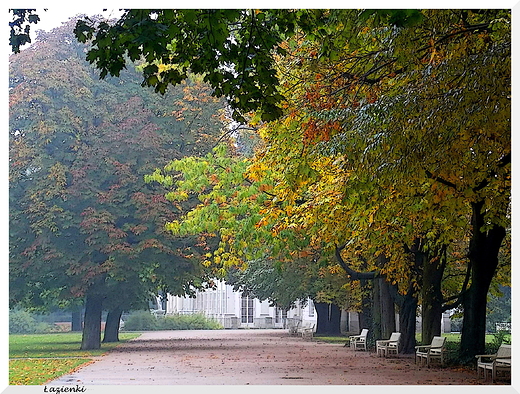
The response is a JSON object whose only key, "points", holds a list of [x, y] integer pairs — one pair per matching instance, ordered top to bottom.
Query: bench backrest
{"points": [[364, 332], [395, 337], [437, 342], [504, 351]]}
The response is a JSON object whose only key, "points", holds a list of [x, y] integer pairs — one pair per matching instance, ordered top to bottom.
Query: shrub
{"points": [[140, 321], [145, 321], [23, 322], [188, 322], [499, 338], [452, 353]]}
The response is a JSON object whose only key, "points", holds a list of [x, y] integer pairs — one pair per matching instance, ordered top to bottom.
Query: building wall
{"points": [[232, 310], [445, 323]]}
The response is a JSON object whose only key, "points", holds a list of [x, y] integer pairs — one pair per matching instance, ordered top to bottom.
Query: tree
{"points": [[224, 45], [455, 73], [448, 77], [86, 223], [284, 283]]}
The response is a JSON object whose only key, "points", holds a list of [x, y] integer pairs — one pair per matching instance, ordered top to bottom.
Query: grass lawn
{"points": [[342, 339], [37, 358], [41, 370]]}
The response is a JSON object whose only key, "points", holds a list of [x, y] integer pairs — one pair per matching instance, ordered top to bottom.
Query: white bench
{"points": [[294, 328], [308, 332], [359, 341], [384, 347], [435, 351], [498, 362]]}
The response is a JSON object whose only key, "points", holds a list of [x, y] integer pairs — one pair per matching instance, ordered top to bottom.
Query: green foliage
{"points": [[399, 18], [21, 27], [231, 48], [228, 208], [80, 212], [251, 254], [280, 283], [499, 308], [140, 321], [145, 321], [23, 322], [188, 322], [499, 338], [452, 353]]}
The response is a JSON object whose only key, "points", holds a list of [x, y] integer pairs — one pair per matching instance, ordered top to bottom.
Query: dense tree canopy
{"points": [[415, 141], [82, 219]]}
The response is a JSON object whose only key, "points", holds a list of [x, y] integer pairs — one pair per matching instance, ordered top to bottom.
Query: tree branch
{"points": [[473, 28], [233, 130], [504, 160], [440, 180], [354, 275], [459, 297]]}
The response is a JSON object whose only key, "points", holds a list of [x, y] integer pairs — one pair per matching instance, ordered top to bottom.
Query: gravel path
{"points": [[252, 357]]}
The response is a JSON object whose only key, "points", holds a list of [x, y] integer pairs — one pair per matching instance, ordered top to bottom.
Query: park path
{"points": [[252, 357]]}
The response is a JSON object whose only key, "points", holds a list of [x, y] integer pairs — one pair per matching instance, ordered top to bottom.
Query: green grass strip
{"points": [[342, 339], [56, 345], [38, 358], [40, 370]]}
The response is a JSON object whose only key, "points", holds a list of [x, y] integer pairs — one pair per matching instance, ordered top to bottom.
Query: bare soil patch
{"points": [[254, 357]]}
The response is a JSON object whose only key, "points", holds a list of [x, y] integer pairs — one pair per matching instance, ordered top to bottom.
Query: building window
{"points": [[311, 308], [247, 309]]}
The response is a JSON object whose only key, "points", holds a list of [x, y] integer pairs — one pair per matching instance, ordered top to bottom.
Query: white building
{"points": [[233, 309]]}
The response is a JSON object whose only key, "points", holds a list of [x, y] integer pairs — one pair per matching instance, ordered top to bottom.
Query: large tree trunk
{"points": [[483, 257], [430, 270], [365, 279], [432, 299], [407, 304], [376, 309], [383, 309], [322, 312], [407, 315], [329, 316], [365, 316], [77, 320], [335, 320], [92, 322], [112, 325]]}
